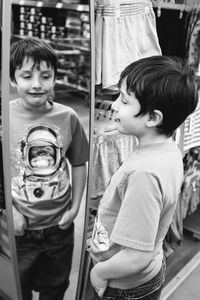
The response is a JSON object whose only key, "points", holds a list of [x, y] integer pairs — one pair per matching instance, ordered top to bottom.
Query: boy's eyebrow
{"points": [[26, 71], [42, 71], [47, 71]]}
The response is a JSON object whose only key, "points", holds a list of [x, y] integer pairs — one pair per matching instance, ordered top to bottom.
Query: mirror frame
{"points": [[10, 283], [81, 287]]}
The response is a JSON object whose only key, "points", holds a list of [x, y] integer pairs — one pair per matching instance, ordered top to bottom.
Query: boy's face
{"points": [[34, 84], [126, 107]]}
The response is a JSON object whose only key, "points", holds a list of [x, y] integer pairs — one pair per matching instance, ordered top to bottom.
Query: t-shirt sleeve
{"points": [[78, 150], [138, 219]]}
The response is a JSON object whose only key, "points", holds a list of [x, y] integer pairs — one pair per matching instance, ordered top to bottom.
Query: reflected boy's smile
{"points": [[34, 83]]}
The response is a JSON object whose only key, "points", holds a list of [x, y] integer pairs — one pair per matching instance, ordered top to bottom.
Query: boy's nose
{"points": [[36, 83], [115, 105]]}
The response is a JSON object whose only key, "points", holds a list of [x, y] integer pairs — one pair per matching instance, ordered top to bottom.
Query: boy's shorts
{"points": [[124, 34]]}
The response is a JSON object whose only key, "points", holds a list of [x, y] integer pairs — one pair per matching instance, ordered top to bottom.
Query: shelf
{"points": [[50, 3], [60, 41], [72, 45], [68, 52], [62, 71], [74, 86]]}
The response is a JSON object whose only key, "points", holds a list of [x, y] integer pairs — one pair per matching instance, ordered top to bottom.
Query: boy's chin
{"points": [[119, 128]]}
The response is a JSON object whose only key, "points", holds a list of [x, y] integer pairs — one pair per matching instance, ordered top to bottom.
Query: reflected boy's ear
{"points": [[155, 118]]}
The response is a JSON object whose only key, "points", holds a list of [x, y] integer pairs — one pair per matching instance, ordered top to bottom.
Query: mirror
{"points": [[66, 27]]}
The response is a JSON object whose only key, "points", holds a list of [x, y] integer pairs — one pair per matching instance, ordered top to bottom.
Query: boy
{"points": [[156, 95], [43, 136]]}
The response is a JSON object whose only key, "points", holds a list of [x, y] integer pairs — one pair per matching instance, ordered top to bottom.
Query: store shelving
{"points": [[66, 28]]}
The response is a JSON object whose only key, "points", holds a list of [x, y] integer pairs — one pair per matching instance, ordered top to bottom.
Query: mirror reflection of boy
{"points": [[156, 95], [46, 138]]}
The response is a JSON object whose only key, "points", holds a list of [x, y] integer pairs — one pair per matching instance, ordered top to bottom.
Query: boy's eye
{"points": [[26, 76], [46, 76], [123, 100]]}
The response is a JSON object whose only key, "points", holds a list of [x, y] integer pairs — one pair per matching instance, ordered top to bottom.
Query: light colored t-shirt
{"points": [[41, 146], [138, 205]]}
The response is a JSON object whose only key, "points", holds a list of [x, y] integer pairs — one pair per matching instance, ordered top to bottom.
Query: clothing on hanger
{"points": [[124, 33], [171, 35], [193, 38], [192, 130], [190, 195]]}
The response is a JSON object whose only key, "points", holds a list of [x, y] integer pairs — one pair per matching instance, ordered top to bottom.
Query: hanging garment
{"points": [[125, 32], [171, 32], [193, 37], [192, 130], [109, 150], [190, 196]]}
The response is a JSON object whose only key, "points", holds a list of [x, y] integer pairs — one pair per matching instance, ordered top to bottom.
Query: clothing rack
{"points": [[182, 5], [103, 104]]}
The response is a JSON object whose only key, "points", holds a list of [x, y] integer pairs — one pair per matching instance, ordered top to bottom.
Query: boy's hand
{"points": [[66, 219], [20, 223], [98, 283]]}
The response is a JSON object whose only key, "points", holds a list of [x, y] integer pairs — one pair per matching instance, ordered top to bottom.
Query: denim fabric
{"points": [[44, 259], [150, 290]]}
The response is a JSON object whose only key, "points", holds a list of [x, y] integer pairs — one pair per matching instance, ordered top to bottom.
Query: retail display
{"points": [[67, 29]]}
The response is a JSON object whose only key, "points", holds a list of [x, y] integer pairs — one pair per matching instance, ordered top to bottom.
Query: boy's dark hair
{"points": [[34, 48], [163, 83]]}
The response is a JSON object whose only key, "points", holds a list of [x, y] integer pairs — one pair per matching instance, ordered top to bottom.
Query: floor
{"points": [[182, 255], [189, 289]]}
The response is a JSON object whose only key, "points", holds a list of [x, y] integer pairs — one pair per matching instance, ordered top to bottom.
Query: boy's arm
{"points": [[78, 185], [19, 222], [125, 263]]}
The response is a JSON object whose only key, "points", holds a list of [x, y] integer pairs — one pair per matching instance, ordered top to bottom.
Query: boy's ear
{"points": [[13, 83], [155, 119]]}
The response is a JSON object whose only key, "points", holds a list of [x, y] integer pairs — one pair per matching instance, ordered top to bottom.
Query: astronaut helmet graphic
{"points": [[41, 150]]}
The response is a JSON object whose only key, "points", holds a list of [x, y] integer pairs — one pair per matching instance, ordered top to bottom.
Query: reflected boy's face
{"points": [[34, 83], [126, 107]]}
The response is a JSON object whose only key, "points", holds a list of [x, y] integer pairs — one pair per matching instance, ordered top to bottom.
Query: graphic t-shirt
{"points": [[42, 145]]}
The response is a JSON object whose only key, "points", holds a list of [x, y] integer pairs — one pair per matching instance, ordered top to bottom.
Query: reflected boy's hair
{"points": [[34, 48], [162, 83]]}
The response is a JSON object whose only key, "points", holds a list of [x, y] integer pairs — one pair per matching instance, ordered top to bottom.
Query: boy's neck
{"points": [[46, 106], [153, 139]]}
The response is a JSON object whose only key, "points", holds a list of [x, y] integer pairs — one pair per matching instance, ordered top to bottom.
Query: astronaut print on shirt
{"points": [[43, 171]]}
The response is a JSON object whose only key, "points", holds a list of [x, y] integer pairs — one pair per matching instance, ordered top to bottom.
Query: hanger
{"points": [[170, 4]]}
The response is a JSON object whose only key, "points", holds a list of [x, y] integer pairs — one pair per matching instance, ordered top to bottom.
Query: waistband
{"points": [[124, 10]]}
